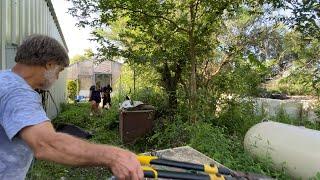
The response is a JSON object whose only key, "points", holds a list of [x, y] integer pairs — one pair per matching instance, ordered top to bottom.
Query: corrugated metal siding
{"points": [[26, 17], [20, 18], [2, 33], [11, 51], [103, 67], [85, 68], [73, 72], [59, 94]]}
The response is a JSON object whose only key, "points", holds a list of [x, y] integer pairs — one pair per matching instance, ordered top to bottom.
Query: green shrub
{"points": [[72, 89], [237, 116], [171, 133], [229, 150]]}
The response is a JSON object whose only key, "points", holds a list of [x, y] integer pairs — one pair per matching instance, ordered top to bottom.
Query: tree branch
{"points": [[154, 16]]}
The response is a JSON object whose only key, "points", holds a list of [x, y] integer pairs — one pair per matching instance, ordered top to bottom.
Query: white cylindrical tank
{"points": [[295, 148]]}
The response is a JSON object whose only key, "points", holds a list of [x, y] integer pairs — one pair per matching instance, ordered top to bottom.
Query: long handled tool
{"points": [[210, 169], [150, 172], [205, 172], [213, 172]]}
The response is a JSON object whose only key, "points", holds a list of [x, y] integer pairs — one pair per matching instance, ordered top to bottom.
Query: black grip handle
{"points": [[177, 164], [187, 165], [149, 174], [176, 175]]}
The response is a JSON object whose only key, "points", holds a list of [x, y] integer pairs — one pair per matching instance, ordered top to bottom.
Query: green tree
{"points": [[303, 16], [173, 37], [188, 42], [88, 54], [304, 56]]}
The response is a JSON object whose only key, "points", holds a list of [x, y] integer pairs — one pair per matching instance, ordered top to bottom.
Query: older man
{"points": [[25, 130]]}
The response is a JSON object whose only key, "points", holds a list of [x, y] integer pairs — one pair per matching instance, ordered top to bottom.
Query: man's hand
{"points": [[65, 149], [125, 165]]}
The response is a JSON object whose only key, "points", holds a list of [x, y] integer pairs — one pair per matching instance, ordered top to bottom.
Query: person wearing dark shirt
{"points": [[106, 95], [95, 99]]}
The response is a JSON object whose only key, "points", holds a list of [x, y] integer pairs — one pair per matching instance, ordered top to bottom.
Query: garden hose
{"points": [[210, 169]]}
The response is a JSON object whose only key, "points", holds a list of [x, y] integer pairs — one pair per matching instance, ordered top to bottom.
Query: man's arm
{"points": [[65, 149]]}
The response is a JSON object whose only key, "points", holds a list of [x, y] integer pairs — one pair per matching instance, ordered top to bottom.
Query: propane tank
{"points": [[294, 148]]}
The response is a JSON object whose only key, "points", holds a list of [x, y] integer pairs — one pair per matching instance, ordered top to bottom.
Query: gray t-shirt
{"points": [[20, 106]]}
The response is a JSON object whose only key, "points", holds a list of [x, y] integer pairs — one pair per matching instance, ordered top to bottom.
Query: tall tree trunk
{"points": [[192, 56], [134, 80], [193, 83], [171, 84], [173, 101]]}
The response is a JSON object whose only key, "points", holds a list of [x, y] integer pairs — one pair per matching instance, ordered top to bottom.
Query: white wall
{"points": [[297, 109]]}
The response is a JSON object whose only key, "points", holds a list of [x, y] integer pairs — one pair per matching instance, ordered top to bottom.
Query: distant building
{"points": [[88, 73]]}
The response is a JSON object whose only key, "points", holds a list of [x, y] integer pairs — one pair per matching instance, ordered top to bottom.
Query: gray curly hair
{"points": [[39, 50]]}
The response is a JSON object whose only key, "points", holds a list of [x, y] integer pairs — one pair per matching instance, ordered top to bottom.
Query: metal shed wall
{"points": [[20, 18]]}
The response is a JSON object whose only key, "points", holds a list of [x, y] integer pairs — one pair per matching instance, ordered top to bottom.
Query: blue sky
{"points": [[76, 38]]}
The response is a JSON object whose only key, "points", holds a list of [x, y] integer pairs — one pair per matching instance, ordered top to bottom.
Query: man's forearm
{"points": [[65, 149], [68, 150]]}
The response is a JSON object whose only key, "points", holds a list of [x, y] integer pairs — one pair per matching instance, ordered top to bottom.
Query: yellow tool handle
{"points": [[145, 160], [148, 160]]}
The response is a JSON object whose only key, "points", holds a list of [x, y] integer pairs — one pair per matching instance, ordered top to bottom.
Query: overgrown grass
{"points": [[283, 117], [102, 127], [219, 137], [208, 139], [211, 140]]}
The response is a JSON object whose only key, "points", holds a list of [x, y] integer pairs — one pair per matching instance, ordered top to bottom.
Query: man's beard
{"points": [[50, 78]]}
